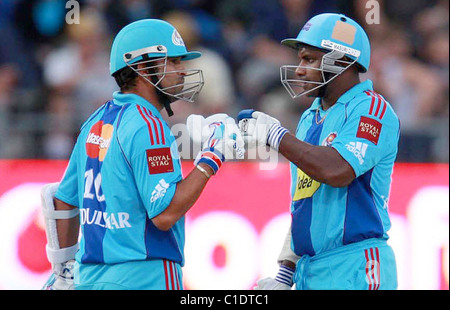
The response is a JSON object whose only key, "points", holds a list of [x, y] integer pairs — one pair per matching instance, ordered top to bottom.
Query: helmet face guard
{"points": [[331, 66], [154, 70]]}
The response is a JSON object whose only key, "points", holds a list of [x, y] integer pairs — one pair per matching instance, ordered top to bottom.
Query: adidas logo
{"points": [[358, 149]]}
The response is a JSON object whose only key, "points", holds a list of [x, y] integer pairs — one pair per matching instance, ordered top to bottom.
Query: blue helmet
{"points": [[330, 32], [339, 37], [137, 39], [150, 42]]}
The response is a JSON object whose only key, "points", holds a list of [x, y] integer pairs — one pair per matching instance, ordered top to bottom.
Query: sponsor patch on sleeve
{"points": [[369, 129], [159, 160]]}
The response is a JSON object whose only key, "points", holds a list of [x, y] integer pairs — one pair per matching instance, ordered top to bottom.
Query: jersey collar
{"points": [[355, 90], [348, 95], [121, 99]]}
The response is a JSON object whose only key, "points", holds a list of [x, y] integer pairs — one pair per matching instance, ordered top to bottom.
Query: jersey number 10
{"points": [[93, 182]]}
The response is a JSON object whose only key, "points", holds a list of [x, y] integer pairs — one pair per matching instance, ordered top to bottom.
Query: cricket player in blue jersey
{"points": [[342, 157], [123, 188]]}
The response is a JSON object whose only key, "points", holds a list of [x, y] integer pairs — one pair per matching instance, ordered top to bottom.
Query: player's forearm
{"points": [[323, 164], [187, 193], [68, 229]]}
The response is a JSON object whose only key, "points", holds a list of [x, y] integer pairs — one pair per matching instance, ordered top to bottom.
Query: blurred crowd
{"points": [[53, 75]]}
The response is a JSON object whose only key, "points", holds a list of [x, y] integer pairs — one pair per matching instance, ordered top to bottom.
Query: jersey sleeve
{"points": [[370, 133], [154, 160], [69, 184], [68, 187]]}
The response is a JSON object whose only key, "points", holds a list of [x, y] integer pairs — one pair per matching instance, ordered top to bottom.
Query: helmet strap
{"points": [[162, 97], [168, 109]]}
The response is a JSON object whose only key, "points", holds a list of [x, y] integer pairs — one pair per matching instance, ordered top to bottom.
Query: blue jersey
{"points": [[364, 129], [124, 171]]}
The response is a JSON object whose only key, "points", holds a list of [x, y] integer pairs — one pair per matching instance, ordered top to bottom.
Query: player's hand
{"points": [[198, 126], [260, 129], [208, 131], [220, 137], [61, 278], [270, 284]]}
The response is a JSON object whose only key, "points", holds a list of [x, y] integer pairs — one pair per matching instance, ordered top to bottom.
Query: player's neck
{"points": [[337, 88], [148, 92]]}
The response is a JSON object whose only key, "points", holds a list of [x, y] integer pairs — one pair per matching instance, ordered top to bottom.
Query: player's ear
{"points": [[143, 69]]}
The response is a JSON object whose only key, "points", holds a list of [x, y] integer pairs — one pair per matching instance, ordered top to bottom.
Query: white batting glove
{"points": [[198, 126], [260, 129], [220, 137], [61, 278], [283, 280], [270, 284]]}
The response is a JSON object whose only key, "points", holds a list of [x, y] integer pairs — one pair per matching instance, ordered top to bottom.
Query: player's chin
{"points": [[176, 90], [310, 92]]}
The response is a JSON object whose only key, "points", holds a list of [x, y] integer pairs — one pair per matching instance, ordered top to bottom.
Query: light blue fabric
{"points": [[124, 171], [325, 217], [366, 265], [158, 275]]}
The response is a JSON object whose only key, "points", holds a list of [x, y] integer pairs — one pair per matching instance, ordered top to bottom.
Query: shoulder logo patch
{"points": [[369, 129], [159, 160]]}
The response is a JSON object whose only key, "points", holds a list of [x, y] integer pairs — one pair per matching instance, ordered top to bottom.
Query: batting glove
{"points": [[198, 126], [260, 129], [220, 137], [61, 278], [283, 280]]}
